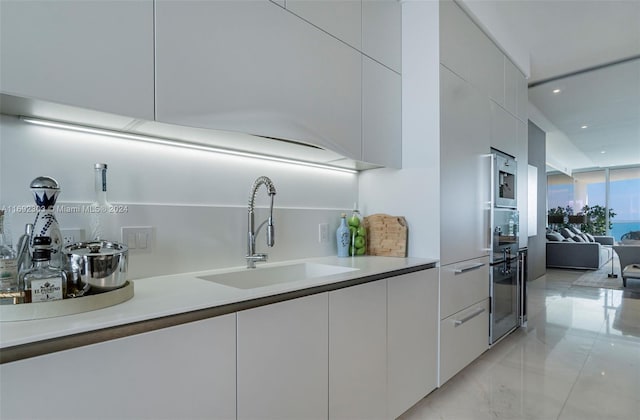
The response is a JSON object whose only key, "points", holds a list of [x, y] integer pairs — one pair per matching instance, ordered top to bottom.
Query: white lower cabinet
{"points": [[463, 284], [464, 314], [463, 337], [412, 345], [358, 352], [362, 352], [282, 360], [186, 371]]}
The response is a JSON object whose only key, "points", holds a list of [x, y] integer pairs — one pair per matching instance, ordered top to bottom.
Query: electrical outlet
{"points": [[323, 233], [72, 236]]}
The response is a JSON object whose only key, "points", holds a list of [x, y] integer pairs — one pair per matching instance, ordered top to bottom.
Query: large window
{"points": [[583, 189], [590, 189], [559, 191], [624, 199]]}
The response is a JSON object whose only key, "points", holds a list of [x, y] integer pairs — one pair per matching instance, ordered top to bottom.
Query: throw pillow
{"points": [[575, 230], [567, 233], [554, 236], [590, 237], [578, 238], [568, 240]]}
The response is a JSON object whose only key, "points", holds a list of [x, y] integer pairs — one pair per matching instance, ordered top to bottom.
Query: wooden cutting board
{"points": [[386, 235]]}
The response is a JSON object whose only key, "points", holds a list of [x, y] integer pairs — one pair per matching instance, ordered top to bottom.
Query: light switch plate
{"points": [[323, 233], [138, 238]]}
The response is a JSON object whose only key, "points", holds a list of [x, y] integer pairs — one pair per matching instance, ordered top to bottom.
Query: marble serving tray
{"points": [[41, 310]]}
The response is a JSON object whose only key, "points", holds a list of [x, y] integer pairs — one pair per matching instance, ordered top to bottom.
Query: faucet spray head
{"points": [[270, 232]]}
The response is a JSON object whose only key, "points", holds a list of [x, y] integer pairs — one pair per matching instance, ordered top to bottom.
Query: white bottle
{"points": [[45, 192], [102, 214]]}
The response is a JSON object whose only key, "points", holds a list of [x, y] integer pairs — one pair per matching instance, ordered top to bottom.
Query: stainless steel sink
{"points": [[268, 276]]}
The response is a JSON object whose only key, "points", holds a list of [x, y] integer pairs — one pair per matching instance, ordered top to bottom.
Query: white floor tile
{"points": [[578, 358]]}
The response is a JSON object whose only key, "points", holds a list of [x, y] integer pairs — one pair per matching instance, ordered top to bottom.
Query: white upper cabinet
{"points": [[340, 18], [373, 27], [382, 32], [456, 37], [468, 52], [92, 54], [487, 66], [257, 68], [511, 77], [516, 91], [522, 98], [381, 114], [504, 135], [464, 144]]}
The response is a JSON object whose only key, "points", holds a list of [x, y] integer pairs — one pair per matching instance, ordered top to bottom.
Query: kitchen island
{"points": [[214, 350]]}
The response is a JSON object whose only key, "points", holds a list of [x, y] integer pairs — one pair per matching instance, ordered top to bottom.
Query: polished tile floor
{"points": [[578, 358]]}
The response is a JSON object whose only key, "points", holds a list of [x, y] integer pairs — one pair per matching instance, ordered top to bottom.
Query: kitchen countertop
{"points": [[164, 301]]}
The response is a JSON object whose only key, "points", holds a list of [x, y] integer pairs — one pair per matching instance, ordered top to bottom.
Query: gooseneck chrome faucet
{"points": [[252, 257]]}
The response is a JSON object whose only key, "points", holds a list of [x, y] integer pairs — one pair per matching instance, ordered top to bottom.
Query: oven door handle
{"points": [[488, 197], [468, 268], [469, 317]]}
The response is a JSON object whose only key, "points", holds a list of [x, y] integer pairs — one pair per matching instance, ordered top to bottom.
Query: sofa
{"points": [[570, 248]]}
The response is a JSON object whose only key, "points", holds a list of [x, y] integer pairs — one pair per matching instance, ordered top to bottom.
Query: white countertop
{"points": [[161, 296]]}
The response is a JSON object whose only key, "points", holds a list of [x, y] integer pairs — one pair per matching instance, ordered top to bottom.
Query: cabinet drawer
{"points": [[463, 284], [463, 337]]}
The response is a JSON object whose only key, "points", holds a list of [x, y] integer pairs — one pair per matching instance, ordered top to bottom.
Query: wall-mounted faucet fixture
{"points": [[252, 257]]}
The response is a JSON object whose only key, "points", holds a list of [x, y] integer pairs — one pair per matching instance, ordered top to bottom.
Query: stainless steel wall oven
{"points": [[505, 180], [505, 287]]}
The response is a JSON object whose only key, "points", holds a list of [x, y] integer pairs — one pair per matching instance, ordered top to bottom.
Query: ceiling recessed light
{"points": [[556, 91], [584, 126], [603, 152]]}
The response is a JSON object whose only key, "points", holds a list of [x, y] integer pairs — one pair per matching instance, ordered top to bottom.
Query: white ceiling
{"points": [[549, 39], [606, 102]]}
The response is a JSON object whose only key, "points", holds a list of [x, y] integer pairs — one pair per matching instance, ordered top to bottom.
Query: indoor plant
{"points": [[596, 220]]}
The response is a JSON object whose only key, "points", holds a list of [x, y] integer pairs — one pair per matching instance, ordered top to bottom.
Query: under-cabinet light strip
{"points": [[177, 143]]}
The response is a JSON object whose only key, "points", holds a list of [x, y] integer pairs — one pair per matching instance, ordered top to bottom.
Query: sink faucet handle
{"points": [[270, 232], [258, 257]]}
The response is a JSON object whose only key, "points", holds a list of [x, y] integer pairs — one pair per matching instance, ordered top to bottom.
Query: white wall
{"points": [[414, 190], [196, 201]]}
